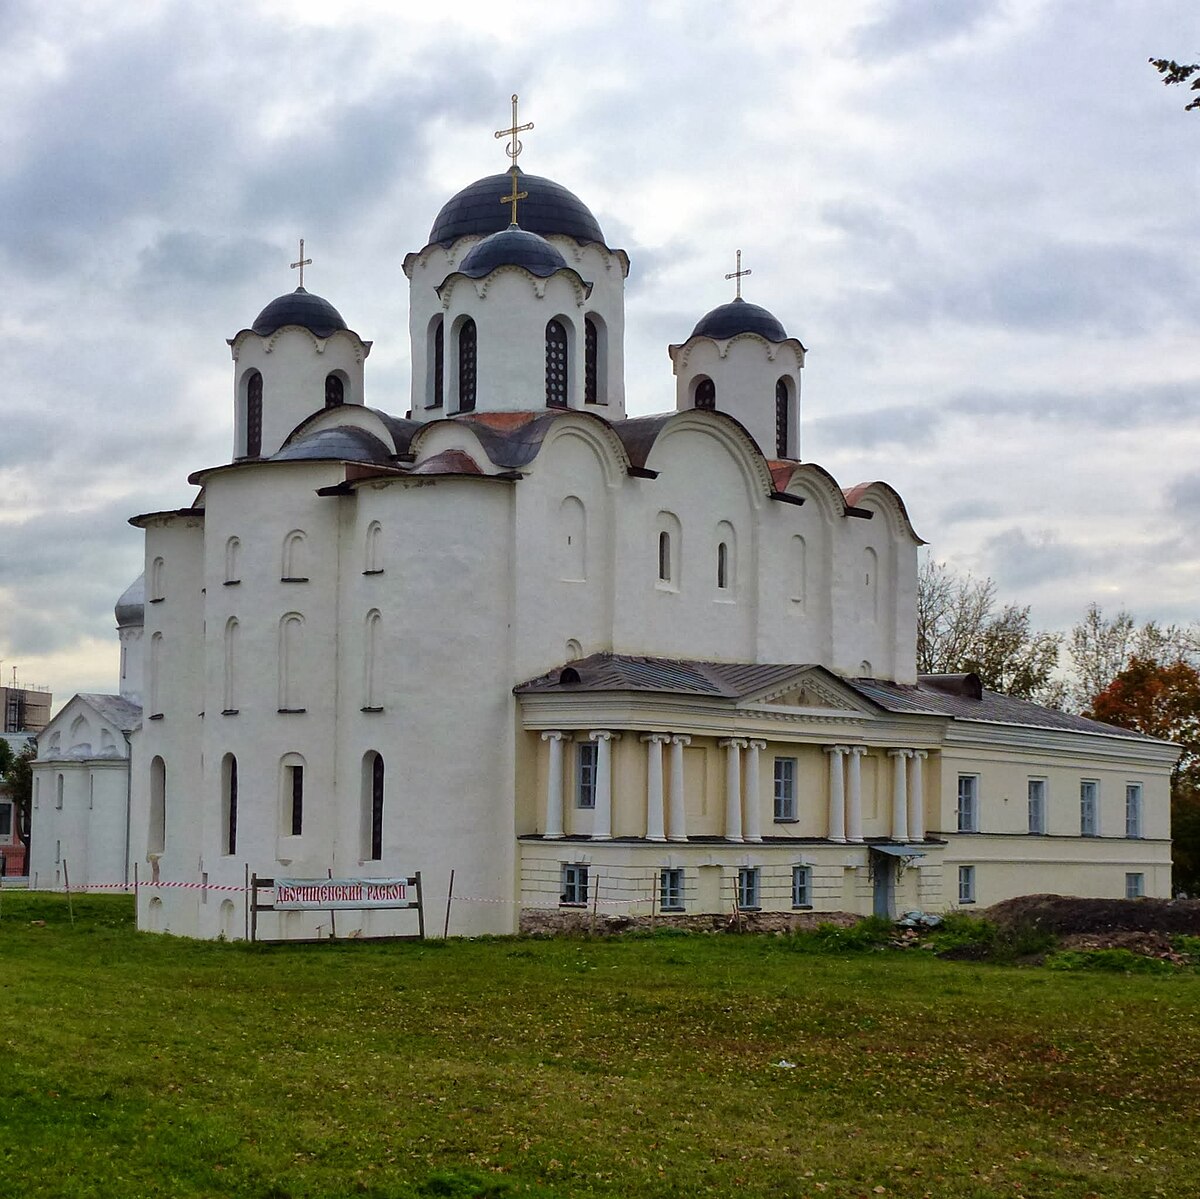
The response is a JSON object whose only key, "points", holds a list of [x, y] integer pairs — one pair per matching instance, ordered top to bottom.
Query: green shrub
{"points": [[870, 934], [1117, 960]]}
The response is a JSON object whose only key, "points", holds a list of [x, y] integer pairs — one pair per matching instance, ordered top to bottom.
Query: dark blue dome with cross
{"points": [[513, 247], [301, 308], [736, 317]]}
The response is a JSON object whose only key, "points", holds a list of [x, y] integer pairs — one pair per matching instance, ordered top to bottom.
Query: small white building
{"points": [[501, 629]]}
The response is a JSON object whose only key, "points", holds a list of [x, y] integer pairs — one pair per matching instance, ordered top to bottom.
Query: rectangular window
{"points": [[585, 774], [785, 788], [297, 794], [968, 803], [1037, 805], [1089, 808], [1133, 809], [6, 819], [966, 884], [574, 885], [802, 886], [1135, 886], [748, 887], [670, 890]]}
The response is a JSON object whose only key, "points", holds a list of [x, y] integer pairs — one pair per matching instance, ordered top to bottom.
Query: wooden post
{"points": [[67, 880], [135, 893], [253, 897], [449, 898], [246, 906], [420, 907], [332, 917]]}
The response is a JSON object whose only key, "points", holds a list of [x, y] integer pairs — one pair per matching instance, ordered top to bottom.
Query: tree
{"points": [[1173, 72], [961, 628], [1162, 699], [6, 757], [19, 777]]}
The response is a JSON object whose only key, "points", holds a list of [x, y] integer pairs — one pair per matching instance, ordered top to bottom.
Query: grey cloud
{"points": [[909, 25], [1116, 408], [901, 425], [1183, 495], [969, 510], [1019, 560]]}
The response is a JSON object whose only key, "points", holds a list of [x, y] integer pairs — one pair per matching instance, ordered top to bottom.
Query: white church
{"points": [[579, 659]]}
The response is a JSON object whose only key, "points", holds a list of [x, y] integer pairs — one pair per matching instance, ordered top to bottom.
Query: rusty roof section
{"points": [[448, 462]]}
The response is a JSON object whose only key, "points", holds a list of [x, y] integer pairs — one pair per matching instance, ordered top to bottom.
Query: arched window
{"points": [[591, 357], [556, 364], [467, 366], [335, 391], [706, 393], [436, 397], [254, 406], [782, 419], [572, 539], [670, 550], [664, 556], [726, 557], [371, 559], [233, 560], [293, 565], [722, 566], [799, 569], [871, 580], [158, 581], [291, 630], [371, 668], [229, 690], [154, 691], [292, 784], [58, 793], [229, 804], [158, 806], [372, 807]]}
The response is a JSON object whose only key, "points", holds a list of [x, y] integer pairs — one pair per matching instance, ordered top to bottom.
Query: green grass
{"points": [[149, 1066]]}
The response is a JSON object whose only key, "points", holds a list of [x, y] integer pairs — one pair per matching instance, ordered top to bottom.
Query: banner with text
{"points": [[300, 894]]}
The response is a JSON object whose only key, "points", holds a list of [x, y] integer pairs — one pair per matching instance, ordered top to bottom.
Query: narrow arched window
{"points": [[591, 355], [556, 364], [439, 365], [467, 366], [335, 391], [706, 394], [254, 409], [782, 419], [572, 539], [664, 557], [371, 559], [233, 560], [293, 566], [722, 566], [799, 570], [158, 580], [871, 580], [291, 629], [371, 669], [154, 690], [229, 690], [293, 783], [229, 804], [373, 807], [157, 840]]}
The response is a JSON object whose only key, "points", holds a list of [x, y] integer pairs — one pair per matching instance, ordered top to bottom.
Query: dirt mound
{"points": [[1065, 915], [561, 922], [1150, 945]]}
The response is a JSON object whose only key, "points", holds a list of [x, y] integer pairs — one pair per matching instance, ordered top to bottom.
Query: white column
{"points": [[654, 786], [733, 787], [837, 793], [900, 793], [916, 795], [753, 798], [678, 807], [602, 816], [553, 827], [854, 828]]}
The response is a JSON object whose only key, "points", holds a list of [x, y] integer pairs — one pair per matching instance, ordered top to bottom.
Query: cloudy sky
{"points": [[979, 215]]}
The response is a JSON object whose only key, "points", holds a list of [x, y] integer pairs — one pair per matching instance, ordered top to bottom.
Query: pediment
{"points": [[813, 692]]}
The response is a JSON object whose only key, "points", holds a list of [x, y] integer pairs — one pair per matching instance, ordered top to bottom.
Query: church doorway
{"points": [[884, 876]]}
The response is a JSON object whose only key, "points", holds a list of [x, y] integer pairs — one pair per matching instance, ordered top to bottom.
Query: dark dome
{"points": [[550, 208], [512, 247], [301, 308], [739, 317], [341, 443], [131, 607]]}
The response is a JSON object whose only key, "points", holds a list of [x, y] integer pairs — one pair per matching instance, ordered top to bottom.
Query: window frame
{"points": [[558, 364], [587, 763], [785, 771], [295, 798], [1089, 807], [1133, 811], [966, 817], [6, 819], [1036, 828], [802, 880], [574, 881], [966, 884], [1135, 884], [749, 888], [670, 889]]}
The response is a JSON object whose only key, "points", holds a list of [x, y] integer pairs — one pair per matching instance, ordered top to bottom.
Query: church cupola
{"points": [[516, 303], [297, 357], [740, 359], [130, 612]]}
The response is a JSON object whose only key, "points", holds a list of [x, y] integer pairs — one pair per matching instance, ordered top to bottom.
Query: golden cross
{"points": [[513, 149], [516, 195], [302, 263], [738, 274]]}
